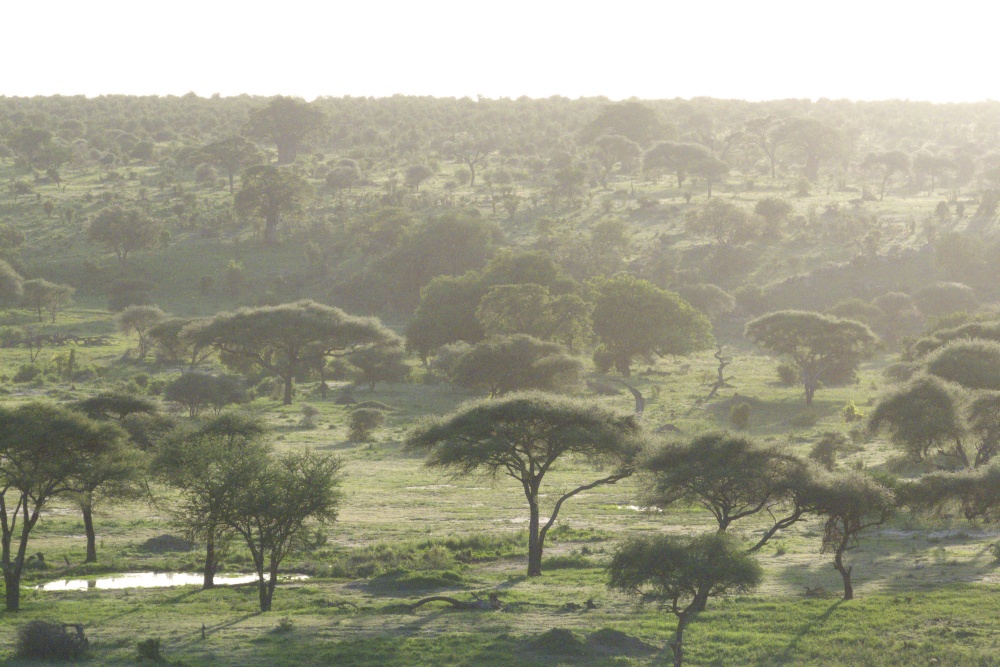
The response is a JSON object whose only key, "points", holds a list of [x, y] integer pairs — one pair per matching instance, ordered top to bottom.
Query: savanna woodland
{"points": [[417, 381]]}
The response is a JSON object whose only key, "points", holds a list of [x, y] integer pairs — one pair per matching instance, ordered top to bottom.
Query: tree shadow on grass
{"points": [[771, 416], [808, 628], [191, 638]]}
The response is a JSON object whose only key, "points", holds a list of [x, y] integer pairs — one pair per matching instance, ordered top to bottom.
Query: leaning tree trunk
{"points": [[88, 526], [677, 645]]}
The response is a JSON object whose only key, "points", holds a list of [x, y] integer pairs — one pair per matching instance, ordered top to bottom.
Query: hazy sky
{"points": [[942, 51]]}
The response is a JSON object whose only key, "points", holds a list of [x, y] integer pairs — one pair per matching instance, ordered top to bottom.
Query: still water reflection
{"points": [[150, 580]]}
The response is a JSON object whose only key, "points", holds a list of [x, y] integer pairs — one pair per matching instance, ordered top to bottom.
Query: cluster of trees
{"points": [[526, 293], [525, 435], [113, 446]]}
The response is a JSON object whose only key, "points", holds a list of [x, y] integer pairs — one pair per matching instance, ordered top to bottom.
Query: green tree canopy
{"points": [[288, 122], [231, 154], [678, 158], [268, 193], [726, 223], [123, 229], [41, 295], [634, 317], [140, 320], [276, 339], [816, 343], [173, 347], [513, 363], [974, 364], [196, 391], [115, 405], [919, 416], [523, 436], [43, 449], [201, 463], [117, 472], [732, 477], [270, 502], [851, 502], [681, 574]]}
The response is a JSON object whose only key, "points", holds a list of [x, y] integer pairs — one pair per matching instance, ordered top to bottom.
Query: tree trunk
{"points": [[231, 175], [709, 183], [809, 394], [287, 398], [88, 526], [534, 542], [210, 562], [845, 573], [12, 587], [264, 594], [677, 645]]}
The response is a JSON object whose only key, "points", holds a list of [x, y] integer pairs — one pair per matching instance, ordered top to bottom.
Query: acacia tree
{"points": [[287, 122], [763, 134], [813, 139], [614, 149], [473, 151], [231, 154], [677, 158], [885, 165], [269, 193], [724, 222], [123, 229], [41, 295], [634, 317], [140, 320], [278, 339], [816, 343], [171, 346], [513, 363], [372, 365], [196, 391], [111, 405], [919, 416], [523, 436], [42, 449], [200, 463], [117, 473], [732, 477], [270, 503], [851, 503], [681, 574]]}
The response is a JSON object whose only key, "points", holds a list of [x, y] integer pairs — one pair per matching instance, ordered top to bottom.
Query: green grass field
{"points": [[926, 587]]}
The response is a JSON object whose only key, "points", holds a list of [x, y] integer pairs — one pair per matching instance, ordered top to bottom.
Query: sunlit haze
{"points": [[765, 50]]}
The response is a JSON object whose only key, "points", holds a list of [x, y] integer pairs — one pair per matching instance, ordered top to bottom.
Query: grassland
{"points": [[927, 587]]}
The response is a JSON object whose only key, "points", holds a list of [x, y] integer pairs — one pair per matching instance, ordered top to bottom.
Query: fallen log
{"points": [[490, 604]]}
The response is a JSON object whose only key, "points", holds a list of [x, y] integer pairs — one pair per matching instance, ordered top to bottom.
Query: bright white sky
{"points": [[763, 49]]}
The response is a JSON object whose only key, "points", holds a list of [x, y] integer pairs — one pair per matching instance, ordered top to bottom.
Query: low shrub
{"points": [[363, 422], [41, 640]]}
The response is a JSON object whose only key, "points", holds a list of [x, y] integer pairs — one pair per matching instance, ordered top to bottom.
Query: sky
{"points": [[767, 49]]}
